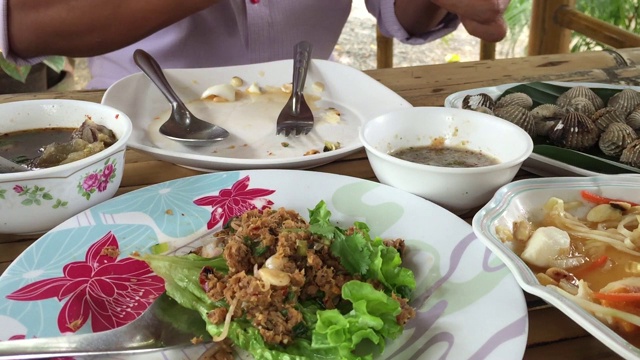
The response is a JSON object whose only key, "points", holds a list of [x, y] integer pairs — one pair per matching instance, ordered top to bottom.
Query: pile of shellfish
{"points": [[579, 119]]}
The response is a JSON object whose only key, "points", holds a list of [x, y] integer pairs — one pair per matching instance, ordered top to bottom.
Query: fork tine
{"points": [[307, 130], [287, 132]]}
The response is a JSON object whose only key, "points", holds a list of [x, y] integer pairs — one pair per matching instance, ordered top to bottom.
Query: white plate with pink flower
{"points": [[80, 278]]}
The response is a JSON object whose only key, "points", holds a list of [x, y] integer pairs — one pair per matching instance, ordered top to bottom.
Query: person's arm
{"points": [[481, 18], [81, 28]]}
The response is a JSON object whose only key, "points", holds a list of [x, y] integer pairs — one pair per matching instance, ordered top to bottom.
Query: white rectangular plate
{"points": [[251, 121]]}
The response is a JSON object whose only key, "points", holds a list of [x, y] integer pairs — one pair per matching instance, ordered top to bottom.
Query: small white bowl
{"points": [[456, 189], [36, 201]]}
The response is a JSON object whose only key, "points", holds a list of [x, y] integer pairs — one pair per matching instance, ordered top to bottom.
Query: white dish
{"points": [[251, 121], [536, 163], [524, 199], [468, 304]]}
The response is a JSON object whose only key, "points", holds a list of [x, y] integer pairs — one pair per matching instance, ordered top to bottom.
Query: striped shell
{"points": [[580, 91], [515, 99], [475, 101], [625, 101], [581, 105], [547, 112], [607, 115], [519, 116], [545, 117], [633, 119], [575, 131], [616, 138], [631, 154]]}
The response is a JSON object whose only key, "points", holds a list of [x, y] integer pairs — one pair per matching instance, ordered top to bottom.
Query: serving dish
{"points": [[252, 121], [544, 161], [524, 199], [36, 201], [468, 304]]}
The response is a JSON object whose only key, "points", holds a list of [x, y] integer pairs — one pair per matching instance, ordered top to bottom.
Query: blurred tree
{"points": [[622, 13]]}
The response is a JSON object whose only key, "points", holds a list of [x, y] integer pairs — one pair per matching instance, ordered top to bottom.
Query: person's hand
{"points": [[482, 18]]}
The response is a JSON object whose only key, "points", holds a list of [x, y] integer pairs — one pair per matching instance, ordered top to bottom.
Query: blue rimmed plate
{"points": [[79, 278]]}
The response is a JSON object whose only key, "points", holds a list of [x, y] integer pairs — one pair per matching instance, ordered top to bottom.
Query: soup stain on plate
{"points": [[251, 121]]}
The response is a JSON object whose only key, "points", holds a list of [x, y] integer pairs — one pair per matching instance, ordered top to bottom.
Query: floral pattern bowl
{"points": [[36, 201]]}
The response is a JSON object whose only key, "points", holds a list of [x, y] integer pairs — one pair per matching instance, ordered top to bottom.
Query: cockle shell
{"points": [[583, 92], [515, 99], [475, 101], [625, 101], [581, 105], [548, 112], [607, 115], [519, 116], [545, 117], [633, 119], [575, 131], [616, 138], [631, 154]]}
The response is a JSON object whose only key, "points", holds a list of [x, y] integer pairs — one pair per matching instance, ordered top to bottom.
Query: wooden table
{"points": [[551, 334]]}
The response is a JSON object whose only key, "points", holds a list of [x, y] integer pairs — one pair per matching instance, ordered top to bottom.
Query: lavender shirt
{"points": [[236, 32]]}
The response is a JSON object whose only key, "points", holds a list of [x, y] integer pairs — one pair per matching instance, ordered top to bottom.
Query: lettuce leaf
{"points": [[360, 254], [181, 275], [373, 318]]}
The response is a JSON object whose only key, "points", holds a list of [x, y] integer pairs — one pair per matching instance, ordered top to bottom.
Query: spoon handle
{"points": [[301, 57], [152, 69]]}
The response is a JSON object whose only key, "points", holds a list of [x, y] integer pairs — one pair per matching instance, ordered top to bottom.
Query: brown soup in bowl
{"points": [[48, 147], [445, 156]]}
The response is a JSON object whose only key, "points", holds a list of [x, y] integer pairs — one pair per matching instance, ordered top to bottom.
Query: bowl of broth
{"points": [[75, 152], [456, 158]]}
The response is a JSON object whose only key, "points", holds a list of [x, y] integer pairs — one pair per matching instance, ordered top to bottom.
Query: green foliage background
{"points": [[622, 13]]}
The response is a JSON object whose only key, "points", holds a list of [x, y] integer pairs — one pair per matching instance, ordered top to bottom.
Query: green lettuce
{"points": [[360, 254], [373, 318], [356, 331]]}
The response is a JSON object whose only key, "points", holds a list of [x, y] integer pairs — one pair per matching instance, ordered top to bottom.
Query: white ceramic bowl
{"points": [[456, 189], [524, 199], [36, 201]]}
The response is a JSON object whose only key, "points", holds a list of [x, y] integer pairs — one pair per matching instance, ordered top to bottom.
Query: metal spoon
{"points": [[182, 125], [8, 166], [164, 325]]}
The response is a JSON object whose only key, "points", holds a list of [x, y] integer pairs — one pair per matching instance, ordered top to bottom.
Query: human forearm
{"points": [[418, 16], [481, 18], [82, 28]]}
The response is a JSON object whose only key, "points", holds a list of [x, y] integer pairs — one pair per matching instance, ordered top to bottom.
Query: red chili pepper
{"points": [[598, 199], [592, 266], [618, 297]]}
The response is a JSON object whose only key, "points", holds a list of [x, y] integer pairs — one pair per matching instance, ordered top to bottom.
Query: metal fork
{"points": [[296, 116]]}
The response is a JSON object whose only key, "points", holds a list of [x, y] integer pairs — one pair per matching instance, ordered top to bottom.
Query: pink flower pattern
{"points": [[98, 180], [18, 189], [234, 201], [111, 292]]}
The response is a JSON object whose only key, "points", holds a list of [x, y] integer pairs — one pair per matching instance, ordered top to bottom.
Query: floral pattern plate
{"points": [[79, 278]]}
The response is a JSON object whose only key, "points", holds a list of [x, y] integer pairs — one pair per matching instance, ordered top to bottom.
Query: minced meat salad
{"points": [[280, 287]]}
